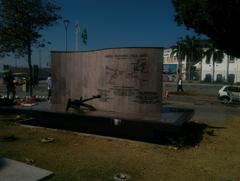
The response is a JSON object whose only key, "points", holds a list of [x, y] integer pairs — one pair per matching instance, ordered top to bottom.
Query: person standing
{"points": [[9, 79], [49, 86], [179, 86]]}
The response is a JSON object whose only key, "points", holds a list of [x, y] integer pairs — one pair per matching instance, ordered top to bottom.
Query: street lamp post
{"points": [[66, 22], [77, 30], [40, 46], [40, 58]]}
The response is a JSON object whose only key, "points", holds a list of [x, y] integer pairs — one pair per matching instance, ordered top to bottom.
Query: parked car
{"points": [[229, 93]]}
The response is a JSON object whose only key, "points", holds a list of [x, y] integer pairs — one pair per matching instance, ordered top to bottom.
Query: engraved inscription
{"points": [[136, 74], [105, 95], [147, 97]]}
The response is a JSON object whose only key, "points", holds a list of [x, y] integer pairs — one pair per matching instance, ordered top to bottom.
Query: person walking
{"points": [[49, 86], [179, 86]]}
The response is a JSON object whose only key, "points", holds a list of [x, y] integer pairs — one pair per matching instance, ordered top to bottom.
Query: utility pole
{"points": [[66, 23], [77, 32], [40, 46], [40, 58], [15, 62], [189, 62]]}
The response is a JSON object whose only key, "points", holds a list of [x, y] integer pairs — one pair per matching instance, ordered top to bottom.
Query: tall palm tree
{"points": [[189, 48], [178, 50], [194, 52], [214, 54]]}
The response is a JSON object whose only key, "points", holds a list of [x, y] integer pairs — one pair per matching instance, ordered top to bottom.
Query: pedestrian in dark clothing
{"points": [[9, 79], [49, 84], [179, 86]]}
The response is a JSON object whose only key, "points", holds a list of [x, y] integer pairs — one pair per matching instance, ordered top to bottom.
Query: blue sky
{"points": [[112, 23]]}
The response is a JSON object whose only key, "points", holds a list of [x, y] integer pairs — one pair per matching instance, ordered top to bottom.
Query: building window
{"points": [[231, 59], [207, 61], [219, 61], [208, 78], [219, 78], [231, 78]]}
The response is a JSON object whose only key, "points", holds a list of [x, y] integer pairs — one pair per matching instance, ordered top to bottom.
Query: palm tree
{"points": [[189, 48], [178, 50], [194, 52], [214, 54]]}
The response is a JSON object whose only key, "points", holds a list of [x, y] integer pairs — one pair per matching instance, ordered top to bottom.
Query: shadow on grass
{"points": [[189, 134]]}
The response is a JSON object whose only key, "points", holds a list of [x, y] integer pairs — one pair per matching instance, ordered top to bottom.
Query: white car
{"points": [[229, 93]]}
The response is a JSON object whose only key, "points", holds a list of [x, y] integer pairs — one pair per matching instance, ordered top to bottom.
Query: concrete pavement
{"points": [[195, 88], [40, 90], [206, 109], [11, 170]]}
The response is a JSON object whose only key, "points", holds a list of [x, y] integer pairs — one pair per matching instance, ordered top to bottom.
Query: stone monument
{"points": [[128, 80]]}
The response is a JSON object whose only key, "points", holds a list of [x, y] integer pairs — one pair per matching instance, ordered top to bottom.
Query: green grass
{"points": [[9, 118], [89, 158]]}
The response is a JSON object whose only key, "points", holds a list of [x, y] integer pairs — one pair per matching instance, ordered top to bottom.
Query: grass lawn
{"points": [[91, 158]]}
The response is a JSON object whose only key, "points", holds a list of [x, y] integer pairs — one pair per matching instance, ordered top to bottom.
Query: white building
{"points": [[171, 64], [228, 70]]}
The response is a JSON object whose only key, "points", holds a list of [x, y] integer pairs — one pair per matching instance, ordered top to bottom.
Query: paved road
{"points": [[191, 88], [194, 88], [203, 99], [206, 110]]}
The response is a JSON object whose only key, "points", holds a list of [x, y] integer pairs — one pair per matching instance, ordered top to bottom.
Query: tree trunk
{"points": [[188, 66], [179, 68], [30, 69], [189, 69], [227, 69], [213, 71], [201, 73]]}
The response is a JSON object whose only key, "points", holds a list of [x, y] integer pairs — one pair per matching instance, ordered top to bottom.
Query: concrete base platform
{"points": [[167, 115], [146, 128], [11, 170]]}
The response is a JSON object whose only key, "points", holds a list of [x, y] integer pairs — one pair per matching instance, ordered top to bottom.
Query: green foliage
{"points": [[216, 19], [20, 24], [84, 36], [189, 48], [213, 53]]}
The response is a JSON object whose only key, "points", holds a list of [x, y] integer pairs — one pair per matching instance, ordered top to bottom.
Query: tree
{"points": [[216, 19], [20, 24], [84, 36], [189, 48], [179, 52], [214, 54]]}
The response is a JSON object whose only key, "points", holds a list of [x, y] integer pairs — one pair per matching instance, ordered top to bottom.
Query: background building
{"points": [[225, 70]]}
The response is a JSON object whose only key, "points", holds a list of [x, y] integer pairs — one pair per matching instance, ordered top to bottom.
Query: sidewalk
{"points": [[39, 90], [186, 99]]}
